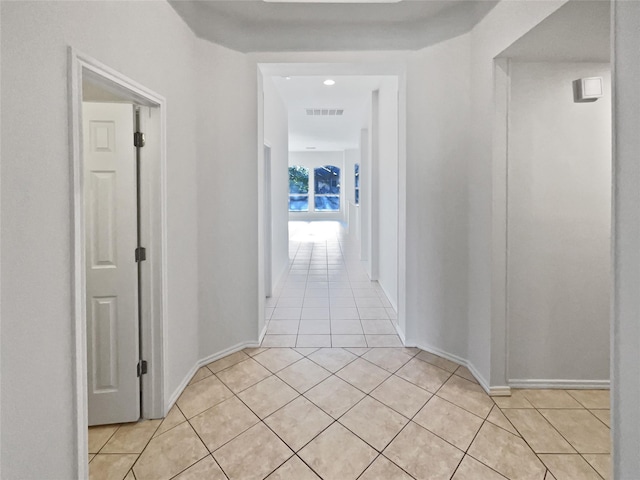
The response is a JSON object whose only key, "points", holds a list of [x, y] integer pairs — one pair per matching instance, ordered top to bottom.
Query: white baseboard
{"points": [[284, 270], [386, 294], [400, 333], [262, 334], [441, 353], [201, 363], [481, 380], [563, 384], [178, 391], [495, 391], [500, 391]]}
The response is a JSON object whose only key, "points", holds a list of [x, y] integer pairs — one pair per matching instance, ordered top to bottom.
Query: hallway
{"points": [[326, 299], [317, 401]]}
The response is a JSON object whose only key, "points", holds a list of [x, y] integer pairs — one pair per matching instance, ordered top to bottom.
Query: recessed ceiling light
{"points": [[287, 78], [328, 82]]}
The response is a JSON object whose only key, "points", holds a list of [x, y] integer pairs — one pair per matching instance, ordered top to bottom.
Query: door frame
{"points": [[271, 68], [268, 224], [154, 235]]}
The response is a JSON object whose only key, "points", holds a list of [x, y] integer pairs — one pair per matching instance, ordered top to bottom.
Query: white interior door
{"points": [[111, 269]]}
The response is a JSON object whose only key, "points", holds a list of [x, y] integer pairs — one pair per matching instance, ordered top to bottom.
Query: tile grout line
{"points": [[357, 356], [391, 374], [260, 420], [334, 420], [410, 420], [555, 429], [565, 439], [143, 450], [210, 453]]}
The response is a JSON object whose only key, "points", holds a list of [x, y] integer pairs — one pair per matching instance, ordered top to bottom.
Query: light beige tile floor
{"points": [[326, 298], [316, 401], [347, 414]]}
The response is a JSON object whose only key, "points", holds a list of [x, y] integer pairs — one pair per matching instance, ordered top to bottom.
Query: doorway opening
{"points": [[343, 161], [552, 173], [119, 237]]}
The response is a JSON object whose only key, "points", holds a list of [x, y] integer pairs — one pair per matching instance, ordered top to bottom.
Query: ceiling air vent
{"points": [[324, 112]]}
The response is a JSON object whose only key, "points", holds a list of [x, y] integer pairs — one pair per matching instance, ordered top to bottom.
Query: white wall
{"points": [[507, 22], [276, 135], [212, 147], [351, 157], [313, 160], [369, 179], [387, 188], [229, 197], [365, 208], [437, 209], [559, 225], [450, 243], [625, 371], [37, 387]]}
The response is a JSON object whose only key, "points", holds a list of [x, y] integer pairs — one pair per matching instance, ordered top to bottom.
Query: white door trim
{"points": [[81, 66], [267, 69], [372, 178], [268, 224], [499, 371]]}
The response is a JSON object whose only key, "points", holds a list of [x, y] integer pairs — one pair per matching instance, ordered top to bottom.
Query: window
{"points": [[356, 182], [298, 189], [327, 189]]}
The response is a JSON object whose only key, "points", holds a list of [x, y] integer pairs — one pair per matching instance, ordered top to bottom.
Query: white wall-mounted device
{"points": [[588, 89]]}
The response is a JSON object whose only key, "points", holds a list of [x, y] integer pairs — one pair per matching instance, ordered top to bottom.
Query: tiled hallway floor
{"points": [[326, 298], [309, 409], [357, 413]]}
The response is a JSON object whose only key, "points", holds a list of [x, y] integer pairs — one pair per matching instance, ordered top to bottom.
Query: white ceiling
{"points": [[259, 26], [577, 32], [327, 133]]}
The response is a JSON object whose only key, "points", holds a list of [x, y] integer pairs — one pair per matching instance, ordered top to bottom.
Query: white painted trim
{"points": [[79, 66], [399, 69], [260, 174], [371, 180], [267, 222], [364, 227], [154, 271], [283, 275], [386, 294], [401, 299], [78, 304], [625, 328], [399, 331], [262, 333], [227, 351], [442, 353], [463, 362], [201, 363], [498, 373], [479, 377], [560, 384], [505, 390], [500, 391], [1, 449]]}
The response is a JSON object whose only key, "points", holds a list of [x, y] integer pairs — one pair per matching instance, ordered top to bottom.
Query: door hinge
{"points": [[138, 139], [141, 254], [142, 367]]}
